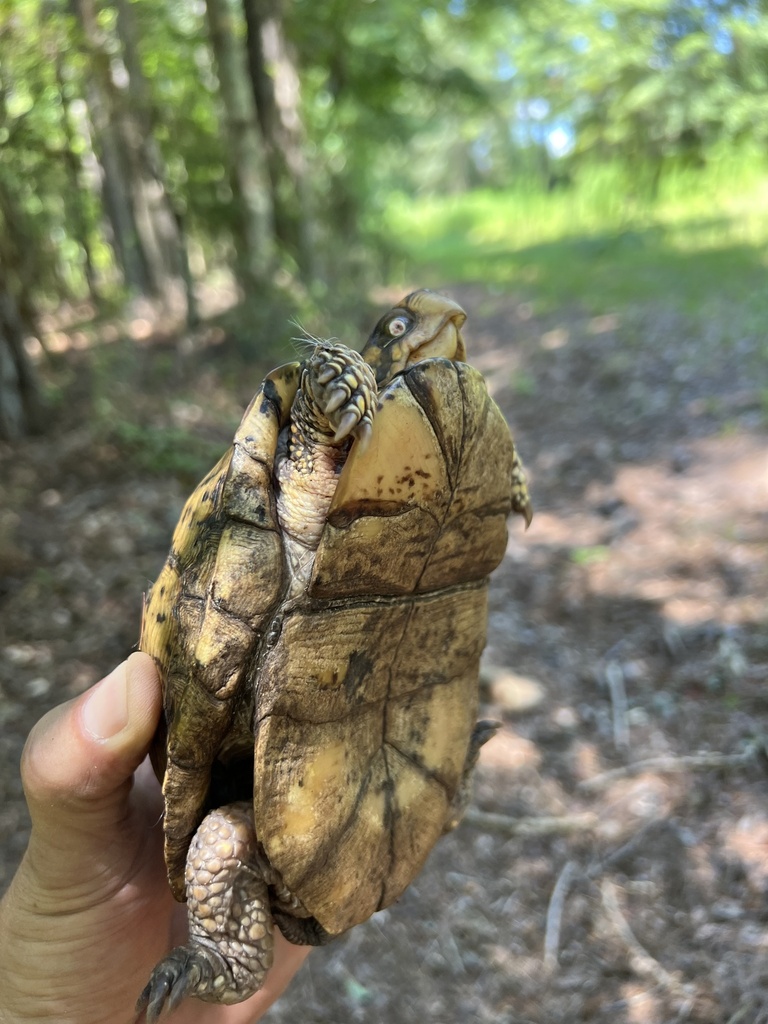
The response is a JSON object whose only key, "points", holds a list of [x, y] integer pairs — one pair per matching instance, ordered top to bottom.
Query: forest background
{"points": [[310, 150], [187, 186]]}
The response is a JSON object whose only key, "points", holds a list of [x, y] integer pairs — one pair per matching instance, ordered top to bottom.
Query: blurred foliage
{"points": [[371, 77], [394, 100], [484, 139], [698, 242], [161, 450]]}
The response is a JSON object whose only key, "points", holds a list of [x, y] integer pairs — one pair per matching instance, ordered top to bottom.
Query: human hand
{"points": [[89, 912]]}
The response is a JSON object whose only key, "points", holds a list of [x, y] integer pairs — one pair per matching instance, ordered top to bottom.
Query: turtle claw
{"points": [[344, 389], [337, 398], [347, 424], [363, 434], [175, 977]]}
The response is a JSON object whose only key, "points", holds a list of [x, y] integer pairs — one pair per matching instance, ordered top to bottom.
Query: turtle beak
{"points": [[435, 331]]}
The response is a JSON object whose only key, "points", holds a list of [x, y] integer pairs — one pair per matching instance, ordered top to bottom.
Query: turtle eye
{"points": [[398, 326]]}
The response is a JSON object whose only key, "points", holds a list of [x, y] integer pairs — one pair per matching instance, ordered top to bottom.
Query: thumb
{"points": [[79, 760]]}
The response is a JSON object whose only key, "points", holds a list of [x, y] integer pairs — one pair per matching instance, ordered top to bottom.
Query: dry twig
{"points": [[614, 677], [668, 766], [531, 826], [631, 846], [555, 914], [640, 960], [742, 1012]]}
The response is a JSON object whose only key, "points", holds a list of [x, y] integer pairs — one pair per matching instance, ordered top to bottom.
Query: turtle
{"points": [[318, 627]]}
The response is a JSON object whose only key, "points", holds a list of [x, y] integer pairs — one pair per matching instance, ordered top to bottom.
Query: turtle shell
{"points": [[366, 701], [346, 712]]}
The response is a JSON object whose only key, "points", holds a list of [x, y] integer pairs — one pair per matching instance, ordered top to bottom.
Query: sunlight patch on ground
{"points": [[77, 328], [695, 542], [701, 544], [510, 751], [631, 803], [747, 841], [642, 1006]]}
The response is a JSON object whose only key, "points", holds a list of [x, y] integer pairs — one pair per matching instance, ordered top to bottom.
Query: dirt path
{"points": [[636, 602]]}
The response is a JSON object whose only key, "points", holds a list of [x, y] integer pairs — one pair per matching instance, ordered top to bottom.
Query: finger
{"points": [[79, 759], [148, 793], [288, 959]]}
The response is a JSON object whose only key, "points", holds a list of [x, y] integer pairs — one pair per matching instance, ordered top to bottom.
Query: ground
{"points": [[634, 610]]}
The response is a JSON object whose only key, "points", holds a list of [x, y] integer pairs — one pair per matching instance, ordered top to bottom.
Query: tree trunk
{"points": [[277, 92], [245, 146], [115, 187], [74, 201], [164, 216], [145, 230], [19, 266], [20, 403]]}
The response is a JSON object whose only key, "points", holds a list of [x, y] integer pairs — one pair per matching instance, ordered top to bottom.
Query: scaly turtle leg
{"points": [[335, 403], [484, 730], [230, 943]]}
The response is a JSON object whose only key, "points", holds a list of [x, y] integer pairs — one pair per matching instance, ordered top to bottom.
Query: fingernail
{"points": [[106, 711]]}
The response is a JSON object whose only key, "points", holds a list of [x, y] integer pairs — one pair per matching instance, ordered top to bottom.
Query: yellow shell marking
{"points": [[401, 438], [303, 810]]}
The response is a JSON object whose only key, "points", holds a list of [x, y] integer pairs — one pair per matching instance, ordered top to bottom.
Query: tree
{"points": [[647, 80], [277, 94], [246, 151], [145, 227], [165, 233], [20, 405]]}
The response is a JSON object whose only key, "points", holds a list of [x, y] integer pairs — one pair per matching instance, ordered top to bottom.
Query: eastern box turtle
{"points": [[318, 627]]}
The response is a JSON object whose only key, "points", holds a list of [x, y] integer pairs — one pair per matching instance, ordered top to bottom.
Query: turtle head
{"points": [[422, 326]]}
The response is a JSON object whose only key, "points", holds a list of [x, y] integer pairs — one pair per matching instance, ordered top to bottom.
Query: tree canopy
{"points": [[146, 142]]}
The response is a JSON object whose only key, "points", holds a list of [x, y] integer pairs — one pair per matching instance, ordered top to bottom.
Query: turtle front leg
{"points": [[484, 730], [230, 945]]}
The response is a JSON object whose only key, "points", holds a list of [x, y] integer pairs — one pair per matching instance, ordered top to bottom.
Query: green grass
{"points": [[700, 243], [164, 451], [590, 555]]}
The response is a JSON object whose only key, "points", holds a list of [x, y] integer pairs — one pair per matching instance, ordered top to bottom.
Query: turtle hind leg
{"points": [[484, 730], [230, 944]]}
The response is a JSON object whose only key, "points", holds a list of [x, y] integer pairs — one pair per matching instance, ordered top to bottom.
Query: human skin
{"points": [[89, 912]]}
